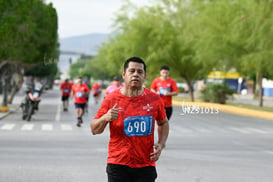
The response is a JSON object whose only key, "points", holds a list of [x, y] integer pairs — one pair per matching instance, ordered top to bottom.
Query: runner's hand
{"points": [[166, 93], [112, 113], [157, 151]]}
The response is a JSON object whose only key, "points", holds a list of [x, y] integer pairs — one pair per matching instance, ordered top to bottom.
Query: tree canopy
{"points": [[28, 31], [28, 36], [193, 37]]}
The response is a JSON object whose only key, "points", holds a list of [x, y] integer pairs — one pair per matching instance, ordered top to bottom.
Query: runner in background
{"points": [[87, 84], [115, 84], [66, 87], [96, 87], [166, 88], [79, 91]]}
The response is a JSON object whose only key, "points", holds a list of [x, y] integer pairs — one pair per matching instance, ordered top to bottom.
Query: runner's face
{"points": [[164, 74], [134, 75]]}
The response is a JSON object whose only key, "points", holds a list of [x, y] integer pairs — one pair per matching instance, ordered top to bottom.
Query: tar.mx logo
{"points": [[148, 107], [194, 109]]}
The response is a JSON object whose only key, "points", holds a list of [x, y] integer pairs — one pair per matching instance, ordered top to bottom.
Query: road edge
{"points": [[228, 109]]}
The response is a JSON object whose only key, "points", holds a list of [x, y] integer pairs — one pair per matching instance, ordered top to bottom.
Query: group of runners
{"points": [[80, 91]]}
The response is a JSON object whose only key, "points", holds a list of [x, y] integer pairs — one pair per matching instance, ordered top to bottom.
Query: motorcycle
{"points": [[30, 104]]}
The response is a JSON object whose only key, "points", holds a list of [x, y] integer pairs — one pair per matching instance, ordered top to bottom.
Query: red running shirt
{"points": [[161, 85], [66, 88], [96, 88], [80, 92], [132, 133]]}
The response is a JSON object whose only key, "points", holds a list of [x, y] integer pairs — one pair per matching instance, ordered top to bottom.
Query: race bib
{"points": [[162, 90], [80, 94], [138, 125]]}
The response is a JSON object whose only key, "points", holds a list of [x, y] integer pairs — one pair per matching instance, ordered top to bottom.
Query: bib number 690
{"points": [[138, 125]]}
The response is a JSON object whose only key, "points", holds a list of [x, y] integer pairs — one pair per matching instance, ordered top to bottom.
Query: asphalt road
{"points": [[208, 147]]}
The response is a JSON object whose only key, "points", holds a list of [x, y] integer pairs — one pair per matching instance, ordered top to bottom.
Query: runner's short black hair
{"points": [[136, 60], [165, 67], [116, 78]]}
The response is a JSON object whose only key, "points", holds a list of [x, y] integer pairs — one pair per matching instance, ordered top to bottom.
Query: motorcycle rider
{"points": [[33, 93]]}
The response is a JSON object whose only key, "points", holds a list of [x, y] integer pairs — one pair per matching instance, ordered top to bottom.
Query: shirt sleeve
{"points": [[153, 85], [174, 86], [87, 88], [103, 109], [161, 111]]}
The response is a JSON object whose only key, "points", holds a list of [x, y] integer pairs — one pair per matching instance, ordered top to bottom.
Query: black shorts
{"points": [[96, 94], [64, 98], [80, 106], [169, 111], [121, 173]]}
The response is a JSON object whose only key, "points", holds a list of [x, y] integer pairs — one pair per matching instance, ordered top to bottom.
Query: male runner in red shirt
{"points": [[96, 87], [166, 88], [66, 89], [79, 91], [132, 113]]}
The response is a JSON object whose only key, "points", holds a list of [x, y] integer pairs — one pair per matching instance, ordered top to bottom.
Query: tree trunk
{"points": [[16, 87], [190, 88], [260, 89], [14, 91], [5, 95]]}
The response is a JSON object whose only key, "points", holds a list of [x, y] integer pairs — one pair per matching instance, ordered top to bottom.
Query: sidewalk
{"points": [[248, 99], [12, 107]]}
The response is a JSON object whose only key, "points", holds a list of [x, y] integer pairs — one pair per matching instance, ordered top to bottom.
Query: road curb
{"points": [[228, 109], [4, 115]]}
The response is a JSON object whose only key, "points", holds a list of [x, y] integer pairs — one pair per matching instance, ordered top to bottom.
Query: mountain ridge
{"points": [[84, 44]]}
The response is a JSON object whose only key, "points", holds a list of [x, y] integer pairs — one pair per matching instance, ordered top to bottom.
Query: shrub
{"points": [[216, 93]]}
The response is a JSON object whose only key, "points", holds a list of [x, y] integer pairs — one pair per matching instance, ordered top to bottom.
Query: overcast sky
{"points": [[77, 17]]}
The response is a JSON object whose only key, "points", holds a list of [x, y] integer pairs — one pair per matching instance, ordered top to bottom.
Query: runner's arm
{"points": [[172, 93], [98, 125], [163, 132]]}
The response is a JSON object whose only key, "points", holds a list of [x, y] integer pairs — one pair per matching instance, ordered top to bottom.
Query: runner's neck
{"points": [[164, 78], [131, 92]]}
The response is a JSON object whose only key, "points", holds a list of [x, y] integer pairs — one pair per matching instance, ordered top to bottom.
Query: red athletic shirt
{"points": [[161, 85], [66, 88], [96, 88], [80, 92], [132, 133]]}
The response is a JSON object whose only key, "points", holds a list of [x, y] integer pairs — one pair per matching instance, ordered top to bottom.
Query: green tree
{"points": [[28, 34], [155, 34], [237, 34]]}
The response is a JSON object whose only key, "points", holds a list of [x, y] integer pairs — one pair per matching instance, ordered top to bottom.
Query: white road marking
{"points": [[58, 113], [7, 127], [27, 127], [47, 127], [66, 127], [240, 130], [257, 130]]}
